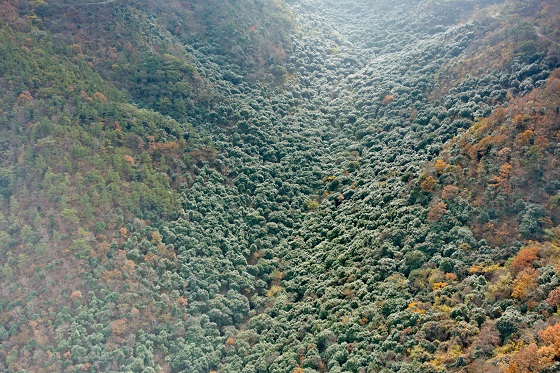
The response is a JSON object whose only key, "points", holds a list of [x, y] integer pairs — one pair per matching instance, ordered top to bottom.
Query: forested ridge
{"points": [[279, 186]]}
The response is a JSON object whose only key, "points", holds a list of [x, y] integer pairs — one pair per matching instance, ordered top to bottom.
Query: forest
{"points": [[280, 186]]}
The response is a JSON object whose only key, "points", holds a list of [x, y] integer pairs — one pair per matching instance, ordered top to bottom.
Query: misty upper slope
{"points": [[258, 186]]}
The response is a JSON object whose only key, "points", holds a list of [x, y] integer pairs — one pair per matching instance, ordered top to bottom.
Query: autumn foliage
{"points": [[437, 211], [525, 257], [524, 283], [536, 357]]}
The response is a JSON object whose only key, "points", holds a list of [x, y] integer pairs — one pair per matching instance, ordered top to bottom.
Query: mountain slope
{"points": [[279, 187]]}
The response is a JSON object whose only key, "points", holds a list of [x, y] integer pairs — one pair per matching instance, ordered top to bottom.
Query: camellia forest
{"points": [[280, 186]]}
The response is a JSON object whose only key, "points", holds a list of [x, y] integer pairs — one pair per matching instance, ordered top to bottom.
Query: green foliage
{"points": [[274, 187]]}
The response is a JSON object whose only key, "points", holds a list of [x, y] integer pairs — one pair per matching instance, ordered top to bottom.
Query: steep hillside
{"points": [[268, 186]]}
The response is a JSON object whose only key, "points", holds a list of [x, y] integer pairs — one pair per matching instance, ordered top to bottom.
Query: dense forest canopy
{"points": [[279, 186]]}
